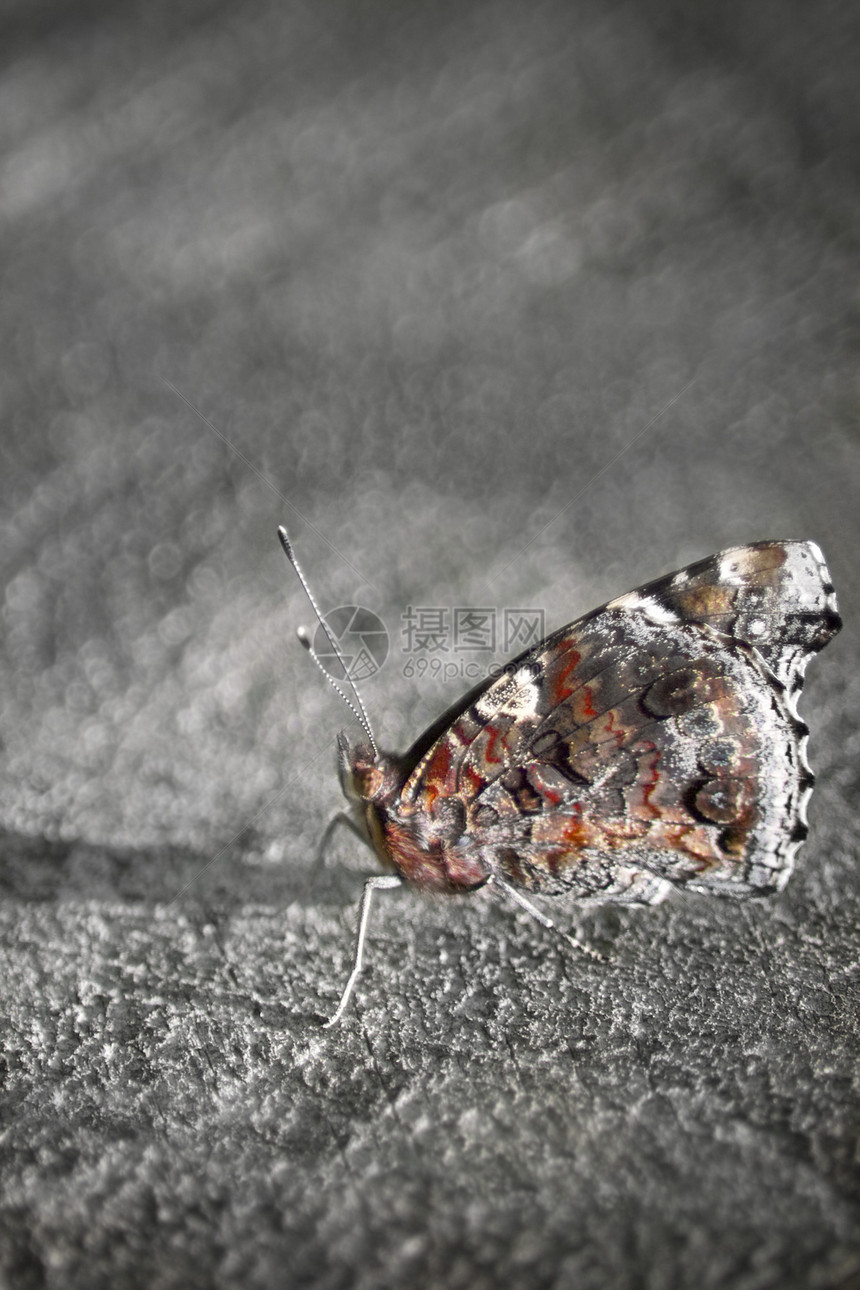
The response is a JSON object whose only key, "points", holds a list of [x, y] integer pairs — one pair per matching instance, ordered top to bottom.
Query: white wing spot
{"points": [[730, 569], [630, 600], [650, 606], [657, 611]]}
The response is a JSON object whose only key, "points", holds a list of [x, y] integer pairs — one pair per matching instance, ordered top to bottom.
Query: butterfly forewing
{"points": [[774, 596]]}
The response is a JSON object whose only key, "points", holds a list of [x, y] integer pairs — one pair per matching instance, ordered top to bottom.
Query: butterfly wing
{"points": [[774, 596], [652, 742]]}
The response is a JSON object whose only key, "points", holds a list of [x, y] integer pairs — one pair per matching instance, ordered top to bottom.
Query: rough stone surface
{"points": [[493, 304]]}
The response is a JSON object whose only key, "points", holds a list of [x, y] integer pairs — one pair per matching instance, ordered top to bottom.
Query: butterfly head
{"points": [[365, 775]]}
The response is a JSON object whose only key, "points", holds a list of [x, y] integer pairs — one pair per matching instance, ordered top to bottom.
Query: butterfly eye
{"points": [[368, 780]]}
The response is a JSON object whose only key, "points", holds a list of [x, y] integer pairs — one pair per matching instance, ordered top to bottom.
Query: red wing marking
{"points": [[560, 690]]}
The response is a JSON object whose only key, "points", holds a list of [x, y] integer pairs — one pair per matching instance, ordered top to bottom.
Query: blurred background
{"points": [[492, 304]]}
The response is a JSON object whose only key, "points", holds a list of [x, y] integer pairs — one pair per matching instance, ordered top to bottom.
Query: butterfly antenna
{"points": [[305, 640], [357, 709]]}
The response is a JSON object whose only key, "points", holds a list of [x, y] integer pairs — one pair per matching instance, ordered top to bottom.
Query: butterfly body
{"points": [[653, 743]]}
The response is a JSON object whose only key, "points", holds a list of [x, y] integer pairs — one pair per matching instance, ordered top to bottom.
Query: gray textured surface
{"points": [[430, 269]]}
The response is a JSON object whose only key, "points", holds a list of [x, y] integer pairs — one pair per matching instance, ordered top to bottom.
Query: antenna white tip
{"points": [[304, 637]]}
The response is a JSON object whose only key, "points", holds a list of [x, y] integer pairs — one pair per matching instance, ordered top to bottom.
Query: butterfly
{"points": [[652, 744]]}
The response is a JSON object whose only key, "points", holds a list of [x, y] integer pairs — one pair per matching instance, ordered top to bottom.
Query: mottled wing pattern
{"points": [[775, 596], [653, 742]]}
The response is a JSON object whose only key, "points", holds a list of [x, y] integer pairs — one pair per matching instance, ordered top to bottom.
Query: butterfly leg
{"points": [[342, 817], [379, 882], [519, 899]]}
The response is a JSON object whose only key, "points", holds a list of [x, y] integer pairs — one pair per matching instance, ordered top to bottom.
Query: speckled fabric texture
{"points": [[494, 305]]}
